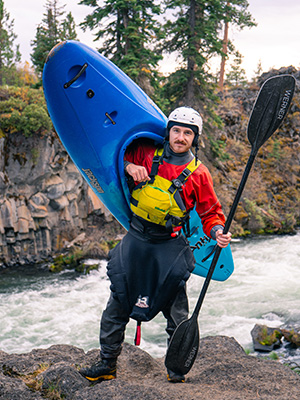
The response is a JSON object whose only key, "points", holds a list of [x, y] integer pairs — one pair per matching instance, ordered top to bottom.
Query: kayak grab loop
{"points": [[82, 69]]}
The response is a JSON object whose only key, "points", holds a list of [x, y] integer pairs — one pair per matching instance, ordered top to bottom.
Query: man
{"points": [[149, 267]]}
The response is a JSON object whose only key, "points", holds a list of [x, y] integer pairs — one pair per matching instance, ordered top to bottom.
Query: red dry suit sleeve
{"points": [[141, 155], [208, 206]]}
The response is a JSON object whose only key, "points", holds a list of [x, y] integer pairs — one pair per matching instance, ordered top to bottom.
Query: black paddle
{"points": [[269, 110]]}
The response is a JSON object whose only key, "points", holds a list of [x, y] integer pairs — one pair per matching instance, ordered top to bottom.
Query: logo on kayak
{"points": [[284, 104], [93, 180], [201, 242], [142, 302]]}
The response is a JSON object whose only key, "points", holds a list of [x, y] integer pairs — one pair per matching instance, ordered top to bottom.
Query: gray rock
{"points": [[265, 338], [222, 371], [64, 379], [16, 389]]}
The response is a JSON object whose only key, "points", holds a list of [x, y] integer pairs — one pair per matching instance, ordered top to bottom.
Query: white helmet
{"points": [[186, 116]]}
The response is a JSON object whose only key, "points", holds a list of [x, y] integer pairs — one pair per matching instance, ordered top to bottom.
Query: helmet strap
{"points": [[196, 151]]}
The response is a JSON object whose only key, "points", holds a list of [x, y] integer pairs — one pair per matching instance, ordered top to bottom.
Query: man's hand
{"points": [[138, 172], [223, 240]]}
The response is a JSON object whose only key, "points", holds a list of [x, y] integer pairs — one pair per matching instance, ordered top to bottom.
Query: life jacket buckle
{"points": [[177, 183]]}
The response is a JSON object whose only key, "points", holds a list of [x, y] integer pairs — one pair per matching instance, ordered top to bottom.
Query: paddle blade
{"points": [[270, 109], [183, 347]]}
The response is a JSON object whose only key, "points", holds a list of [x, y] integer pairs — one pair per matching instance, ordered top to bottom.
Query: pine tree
{"points": [[236, 13], [68, 28], [51, 31], [128, 32], [195, 34], [9, 56], [257, 72], [237, 75]]}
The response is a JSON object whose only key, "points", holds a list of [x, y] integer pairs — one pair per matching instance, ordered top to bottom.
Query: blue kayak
{"points": [[97, 111]]}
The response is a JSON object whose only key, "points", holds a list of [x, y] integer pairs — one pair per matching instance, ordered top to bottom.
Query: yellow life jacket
{"points": [[158, 200]]}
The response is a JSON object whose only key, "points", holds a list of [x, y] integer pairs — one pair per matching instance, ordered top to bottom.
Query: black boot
{"points": [[105, 369], [174, 377]]}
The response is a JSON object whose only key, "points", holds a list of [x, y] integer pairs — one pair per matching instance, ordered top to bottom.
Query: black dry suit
{"points": [[149, 266], [146, 272]]}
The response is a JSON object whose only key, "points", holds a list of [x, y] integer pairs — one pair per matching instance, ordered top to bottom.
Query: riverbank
{"points": [[222, 371]]}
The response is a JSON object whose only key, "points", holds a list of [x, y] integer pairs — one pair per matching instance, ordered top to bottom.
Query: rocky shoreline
{"points": [[222, 371]]}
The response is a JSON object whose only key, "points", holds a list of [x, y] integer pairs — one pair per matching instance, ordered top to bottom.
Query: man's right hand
{"points": [[138, 172]]}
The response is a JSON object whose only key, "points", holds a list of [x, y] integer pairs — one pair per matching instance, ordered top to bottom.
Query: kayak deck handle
{"points": [[82, 69], [110, 117]]}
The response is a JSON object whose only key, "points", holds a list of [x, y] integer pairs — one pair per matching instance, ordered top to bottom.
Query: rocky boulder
{"points": [[267, 339], [222, 371]]}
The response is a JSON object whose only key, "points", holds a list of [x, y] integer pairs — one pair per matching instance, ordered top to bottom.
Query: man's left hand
{"points": [[222, 239]]}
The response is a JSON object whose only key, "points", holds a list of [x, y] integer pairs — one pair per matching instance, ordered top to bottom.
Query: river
{"points": [[38, 308]]}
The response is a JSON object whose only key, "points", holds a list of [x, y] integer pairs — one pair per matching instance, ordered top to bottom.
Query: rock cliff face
{"points": [[44, 200], [270, 201]]}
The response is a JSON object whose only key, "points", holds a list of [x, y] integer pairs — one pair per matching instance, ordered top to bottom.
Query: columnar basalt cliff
{"points": [[44, 200]]}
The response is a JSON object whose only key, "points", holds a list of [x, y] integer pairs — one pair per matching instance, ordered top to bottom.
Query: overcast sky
{"points": [[275, 41]]}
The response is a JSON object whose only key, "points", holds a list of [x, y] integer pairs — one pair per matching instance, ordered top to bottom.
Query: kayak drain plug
{"points": [[90, 93]]}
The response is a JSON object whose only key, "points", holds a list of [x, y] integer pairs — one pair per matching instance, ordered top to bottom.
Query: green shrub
{"points": [[23, 110], [35, 120], [218, 149]]}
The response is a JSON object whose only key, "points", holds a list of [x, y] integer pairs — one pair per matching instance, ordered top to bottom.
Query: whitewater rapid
{"points": [[39, 309]]}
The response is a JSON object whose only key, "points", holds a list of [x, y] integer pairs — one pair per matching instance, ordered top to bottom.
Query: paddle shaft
{"points": [[226, 230]]}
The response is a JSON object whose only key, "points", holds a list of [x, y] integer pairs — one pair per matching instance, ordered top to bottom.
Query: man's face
{"points": [[180, 138]]}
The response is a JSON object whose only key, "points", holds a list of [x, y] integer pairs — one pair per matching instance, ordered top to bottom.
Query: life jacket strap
{"points": [[157, 159], [179, 181]]}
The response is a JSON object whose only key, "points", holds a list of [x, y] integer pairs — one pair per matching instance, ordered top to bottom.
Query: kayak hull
{"points": [[97, 111]]}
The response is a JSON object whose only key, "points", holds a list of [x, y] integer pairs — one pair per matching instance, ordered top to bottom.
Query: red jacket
{"points": [[198, 189]]}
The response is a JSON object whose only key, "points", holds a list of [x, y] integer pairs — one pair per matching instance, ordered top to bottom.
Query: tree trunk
{"points": [[127, 39], [118, 44], [224, 56], [1, 62], [191, 65]]}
